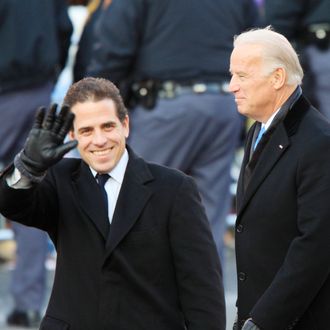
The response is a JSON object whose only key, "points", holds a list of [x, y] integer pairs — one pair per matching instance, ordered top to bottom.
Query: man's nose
{"points": [[233, 86], [99, 138]]}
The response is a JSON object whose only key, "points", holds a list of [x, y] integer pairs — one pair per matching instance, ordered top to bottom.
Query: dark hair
{"points": [[94, 90]]}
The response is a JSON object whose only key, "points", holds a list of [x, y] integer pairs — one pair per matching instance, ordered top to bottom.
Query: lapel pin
{"points": [[280, 146]]}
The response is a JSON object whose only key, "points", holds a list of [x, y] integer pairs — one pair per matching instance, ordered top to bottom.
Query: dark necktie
{"points": [[101, 180]]}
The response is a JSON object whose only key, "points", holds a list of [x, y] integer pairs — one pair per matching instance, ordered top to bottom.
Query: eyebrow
{"points": [[237, 72], [110, 122], [81, 129]]}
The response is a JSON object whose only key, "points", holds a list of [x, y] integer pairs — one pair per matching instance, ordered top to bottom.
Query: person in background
{"points": [[307, 26], [35, 36], [84, 47], [170, 59], [282, 228], [134, 246]]}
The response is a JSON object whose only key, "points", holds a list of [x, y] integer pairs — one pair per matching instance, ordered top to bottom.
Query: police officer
{"points": [[307, 25], [34, 37], [171, 58]]}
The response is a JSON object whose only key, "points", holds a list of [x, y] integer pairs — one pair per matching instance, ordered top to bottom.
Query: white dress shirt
{"points": [[113, 184]]}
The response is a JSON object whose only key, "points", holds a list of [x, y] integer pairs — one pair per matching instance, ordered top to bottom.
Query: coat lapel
{"points": [[268, 154], [242, 176], [90, 198], [132, 199]]}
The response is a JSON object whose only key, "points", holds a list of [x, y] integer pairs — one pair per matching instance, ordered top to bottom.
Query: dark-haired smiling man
{"points": [[134, 247]]}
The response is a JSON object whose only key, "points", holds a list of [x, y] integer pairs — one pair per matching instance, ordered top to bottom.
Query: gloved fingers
{"points": [[39, 117], [49, 118], [60, 118], [66, 125], [65, 148]]}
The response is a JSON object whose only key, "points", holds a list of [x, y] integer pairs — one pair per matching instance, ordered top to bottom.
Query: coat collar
{"points": [[270, 152], [89, 196], [131, 200]]}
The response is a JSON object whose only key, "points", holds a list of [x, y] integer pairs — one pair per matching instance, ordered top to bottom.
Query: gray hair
{"points": [[277, 52]]}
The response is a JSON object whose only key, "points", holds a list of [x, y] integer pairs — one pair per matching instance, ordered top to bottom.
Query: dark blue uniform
{"points": [[307, 25], [34, 37], [178, 40], [184, 46]]}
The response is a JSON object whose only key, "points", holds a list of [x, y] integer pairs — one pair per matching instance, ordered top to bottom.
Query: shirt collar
{"points": [[288, 104], [269, 121], [118, 172]]}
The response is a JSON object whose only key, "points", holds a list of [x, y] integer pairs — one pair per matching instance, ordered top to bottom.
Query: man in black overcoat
{"points": [[283, 209], [134, 251]]}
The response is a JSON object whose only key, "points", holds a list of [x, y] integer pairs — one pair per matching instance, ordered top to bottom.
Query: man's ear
{"points": [[279, 78], [126, 126]]}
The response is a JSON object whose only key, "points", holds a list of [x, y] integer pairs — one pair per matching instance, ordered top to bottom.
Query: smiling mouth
{"points": [[102, 152]]}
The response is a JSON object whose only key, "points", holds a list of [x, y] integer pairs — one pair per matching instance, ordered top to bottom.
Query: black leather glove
{"points": [[44, 146], [250, 325]]}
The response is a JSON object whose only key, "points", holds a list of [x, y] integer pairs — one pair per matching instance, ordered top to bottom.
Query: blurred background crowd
{"points": [[170, 60]]}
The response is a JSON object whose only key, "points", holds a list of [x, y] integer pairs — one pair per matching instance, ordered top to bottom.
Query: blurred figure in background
{"points": [[307, 25], [35, 36], [84, 51], [170, 59]]}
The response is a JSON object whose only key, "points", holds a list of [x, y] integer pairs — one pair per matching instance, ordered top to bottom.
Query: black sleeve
{"points": [[251, 14], [284, 16], [64, 30], [117, 37], [84, 51]]}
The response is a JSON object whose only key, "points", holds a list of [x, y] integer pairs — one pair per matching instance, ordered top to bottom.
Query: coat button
{"points": [[239, 228], [241, 276]]}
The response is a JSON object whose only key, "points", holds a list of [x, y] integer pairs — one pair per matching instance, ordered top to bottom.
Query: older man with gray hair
{"points": [[283, 209]]}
